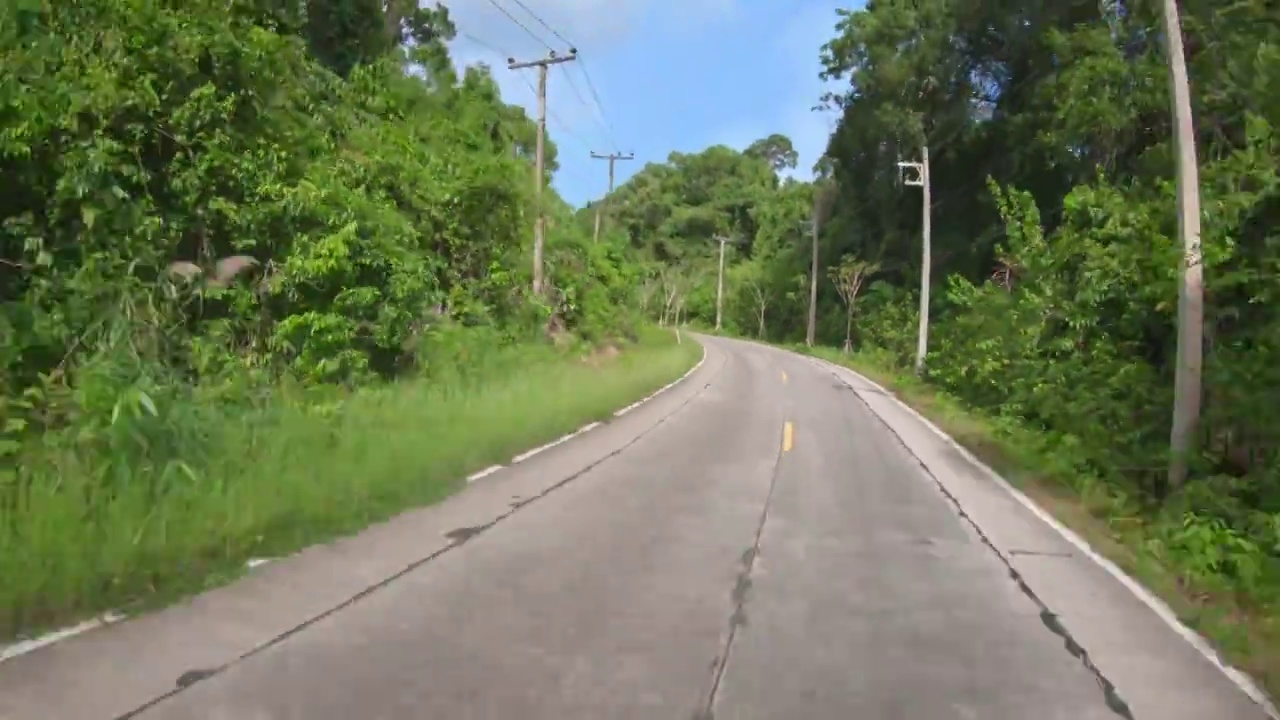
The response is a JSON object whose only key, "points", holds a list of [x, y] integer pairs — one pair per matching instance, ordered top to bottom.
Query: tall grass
{"points": [[159, 512]]}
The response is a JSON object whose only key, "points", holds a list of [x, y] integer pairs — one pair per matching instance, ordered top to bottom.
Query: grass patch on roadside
{"points": [[293, 472], [1246, 632]]}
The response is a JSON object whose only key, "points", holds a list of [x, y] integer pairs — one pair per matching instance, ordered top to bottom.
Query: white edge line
{"points": [[664, 388], [587, 428], [484, 473], [1162, 610], [23, 647], [9, 652]]}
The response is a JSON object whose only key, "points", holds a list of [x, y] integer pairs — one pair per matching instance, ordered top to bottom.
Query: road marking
{"points": [[784, 377], [668, 386], [788, 431], [483, 473], [1158, 606], [23, 647], [9, 652]]}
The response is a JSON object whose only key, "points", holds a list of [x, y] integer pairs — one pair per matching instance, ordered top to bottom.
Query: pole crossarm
{"points": [[551, 59], [612, 158]]}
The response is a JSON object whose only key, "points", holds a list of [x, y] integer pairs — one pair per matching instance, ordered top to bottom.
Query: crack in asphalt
{"points": [[457, 538], [1042, 553], [739, 595], [1050, 619]]}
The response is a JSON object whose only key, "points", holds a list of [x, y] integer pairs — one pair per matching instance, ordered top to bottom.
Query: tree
{"points": [[777, 150], [848, 277]]}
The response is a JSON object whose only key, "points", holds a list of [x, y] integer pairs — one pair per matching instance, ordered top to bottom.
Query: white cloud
{"points": [[593, 24], [486, 34], [802, 40], [797, 47]]}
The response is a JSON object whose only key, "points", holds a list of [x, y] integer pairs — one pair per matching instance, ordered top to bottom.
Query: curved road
{"points": [[771, 538]]}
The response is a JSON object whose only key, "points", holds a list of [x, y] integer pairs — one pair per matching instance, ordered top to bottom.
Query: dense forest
{"points": [[1055, 260]]}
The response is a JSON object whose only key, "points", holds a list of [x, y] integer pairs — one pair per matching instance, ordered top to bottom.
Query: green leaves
{"points": [[142, 138]]}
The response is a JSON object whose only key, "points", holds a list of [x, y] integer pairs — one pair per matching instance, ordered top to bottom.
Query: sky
{"points": [[671, 75]]}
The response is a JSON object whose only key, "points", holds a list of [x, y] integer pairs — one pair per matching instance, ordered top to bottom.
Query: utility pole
{"points": [[612, 158], [922, 181], [539, 227], [720, 281], [811, 330], [1189, 358]]}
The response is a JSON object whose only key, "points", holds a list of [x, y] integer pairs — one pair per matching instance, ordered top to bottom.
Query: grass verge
{"points": [[294, 474], [1246, 633]]}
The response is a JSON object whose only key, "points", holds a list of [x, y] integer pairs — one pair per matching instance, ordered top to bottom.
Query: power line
{"points": [[543, 23], [522, 26], [487, 46], [574, 87], [600, 107], [595, 116], [598, 116], [603, 117], [562, 125], [539, 228]]}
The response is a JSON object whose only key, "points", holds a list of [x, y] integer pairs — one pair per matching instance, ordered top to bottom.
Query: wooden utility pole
{"points": [[612, 158], [922, 181], [539, 227], [1187, 373]]}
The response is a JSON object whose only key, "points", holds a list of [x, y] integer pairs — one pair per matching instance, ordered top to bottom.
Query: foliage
{"points": [[250, 212], [302, 468]]}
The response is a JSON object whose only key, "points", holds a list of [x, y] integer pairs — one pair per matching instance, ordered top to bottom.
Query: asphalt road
{"points": [[768, 539]]}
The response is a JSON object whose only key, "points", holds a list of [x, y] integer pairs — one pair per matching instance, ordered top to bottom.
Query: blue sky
{"points": [[671, 75]]}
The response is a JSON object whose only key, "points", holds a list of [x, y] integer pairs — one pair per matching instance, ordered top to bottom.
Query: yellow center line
{"points": [[784, 377], [787, 436]]}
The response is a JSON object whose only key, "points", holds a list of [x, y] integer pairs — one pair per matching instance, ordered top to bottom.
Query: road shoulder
{"points": [[121, 667], [1161, 667]]}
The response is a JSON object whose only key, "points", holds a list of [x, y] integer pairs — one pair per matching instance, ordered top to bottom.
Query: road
{"points": [[770, 538]]}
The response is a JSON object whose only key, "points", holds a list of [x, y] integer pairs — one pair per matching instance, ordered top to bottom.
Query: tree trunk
{"points": [[848, 330]]}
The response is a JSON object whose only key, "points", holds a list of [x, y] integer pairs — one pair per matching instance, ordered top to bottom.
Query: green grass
{"points": [[294, 474], [1247, 633]]}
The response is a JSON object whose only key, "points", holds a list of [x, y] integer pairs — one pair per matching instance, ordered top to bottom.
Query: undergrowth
{"points": [[171, 492]]}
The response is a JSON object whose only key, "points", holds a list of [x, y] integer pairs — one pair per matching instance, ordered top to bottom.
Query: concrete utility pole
{"points": [[612, 158], [922, 181], [539, 227], [720, 281], [811, 330], [1187, 373]]}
